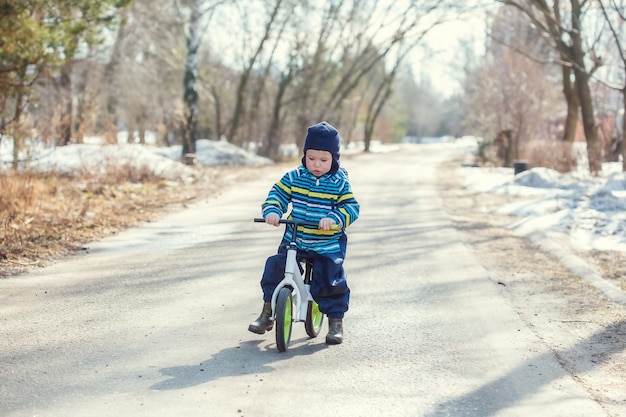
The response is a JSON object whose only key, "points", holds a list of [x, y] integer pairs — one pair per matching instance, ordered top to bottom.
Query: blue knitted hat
{"points": [[323, 137]]}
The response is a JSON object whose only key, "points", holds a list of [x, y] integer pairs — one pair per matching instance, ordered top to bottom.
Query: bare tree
{"points": [[197, 11], [615, 17], [80, 23], [566, 35], [532, 44], [351, 49], [244, 80], [384, 89], [515, 89], [511, 94], [271, 144]]}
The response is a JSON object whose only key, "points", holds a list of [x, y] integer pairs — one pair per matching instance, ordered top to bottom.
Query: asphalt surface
{"points": [[154, 321]]}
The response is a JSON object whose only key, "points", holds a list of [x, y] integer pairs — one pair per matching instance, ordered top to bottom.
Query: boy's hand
{"points": [[272, 219], [326, 223]]}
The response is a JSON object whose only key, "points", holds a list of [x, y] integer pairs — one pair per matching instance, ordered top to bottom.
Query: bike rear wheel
{"points": [[284, 318], [314, 319]]}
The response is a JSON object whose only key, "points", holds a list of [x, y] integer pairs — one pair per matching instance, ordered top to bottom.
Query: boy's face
{"points": [[318, 162]]}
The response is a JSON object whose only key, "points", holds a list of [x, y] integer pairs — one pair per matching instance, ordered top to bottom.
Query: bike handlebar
{"points": [[297, 223]]}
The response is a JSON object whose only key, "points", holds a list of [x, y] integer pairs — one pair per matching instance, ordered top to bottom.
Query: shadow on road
{"points": [[247, 358], [507, 390]]}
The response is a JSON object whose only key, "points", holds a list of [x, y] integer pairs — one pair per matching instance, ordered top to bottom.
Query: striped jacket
{"points": [[311, 199]]}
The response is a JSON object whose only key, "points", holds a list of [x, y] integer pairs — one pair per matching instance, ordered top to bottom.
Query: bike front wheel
{"points": [[284, 318], [314, 319]]}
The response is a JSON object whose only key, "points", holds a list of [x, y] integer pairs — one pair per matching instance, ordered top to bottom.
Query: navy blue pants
{"points": [[329, 287]]}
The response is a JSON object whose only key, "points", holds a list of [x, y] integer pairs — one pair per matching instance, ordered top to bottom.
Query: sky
{"points": [[442, 59], [590, 212]]}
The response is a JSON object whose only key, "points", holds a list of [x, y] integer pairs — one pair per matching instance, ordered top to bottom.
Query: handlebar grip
{"points": [[303, 223]]}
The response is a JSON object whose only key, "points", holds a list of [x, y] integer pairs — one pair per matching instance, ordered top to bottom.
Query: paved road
{"points": [[154, 321]]}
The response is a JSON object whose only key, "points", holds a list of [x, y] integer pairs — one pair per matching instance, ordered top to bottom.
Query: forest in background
{"points": [[258, 72]]}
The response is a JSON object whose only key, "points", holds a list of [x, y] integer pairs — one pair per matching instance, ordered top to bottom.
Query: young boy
{"points": [[318, 191]]}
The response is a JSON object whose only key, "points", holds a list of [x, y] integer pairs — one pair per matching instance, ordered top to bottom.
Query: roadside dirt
{"points": [[67, 218], [584, 329]]}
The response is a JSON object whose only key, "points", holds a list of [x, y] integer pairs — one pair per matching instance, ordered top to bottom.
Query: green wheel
{"points": [[284, 318], [314, 319]]}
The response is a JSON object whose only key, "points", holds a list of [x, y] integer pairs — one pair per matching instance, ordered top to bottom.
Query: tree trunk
{"points": [[110, 72], [190, 94], [217, 105], [573, 105], [375, 108], [65, 125], [141, 128], [624, 131], [368, 133], [18, 138], [270, 148], [511, 149], [594, 151]]}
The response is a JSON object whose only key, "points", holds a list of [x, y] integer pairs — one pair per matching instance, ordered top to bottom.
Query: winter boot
{"points": [[263, 323], [335, 332]]}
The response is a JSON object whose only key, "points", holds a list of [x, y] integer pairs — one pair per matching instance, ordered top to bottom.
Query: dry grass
{"points": [[557, 155], [46, 216], [610, 263]]}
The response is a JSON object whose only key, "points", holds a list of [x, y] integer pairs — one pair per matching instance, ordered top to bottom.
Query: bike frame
{"points": [[293, 278]]}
